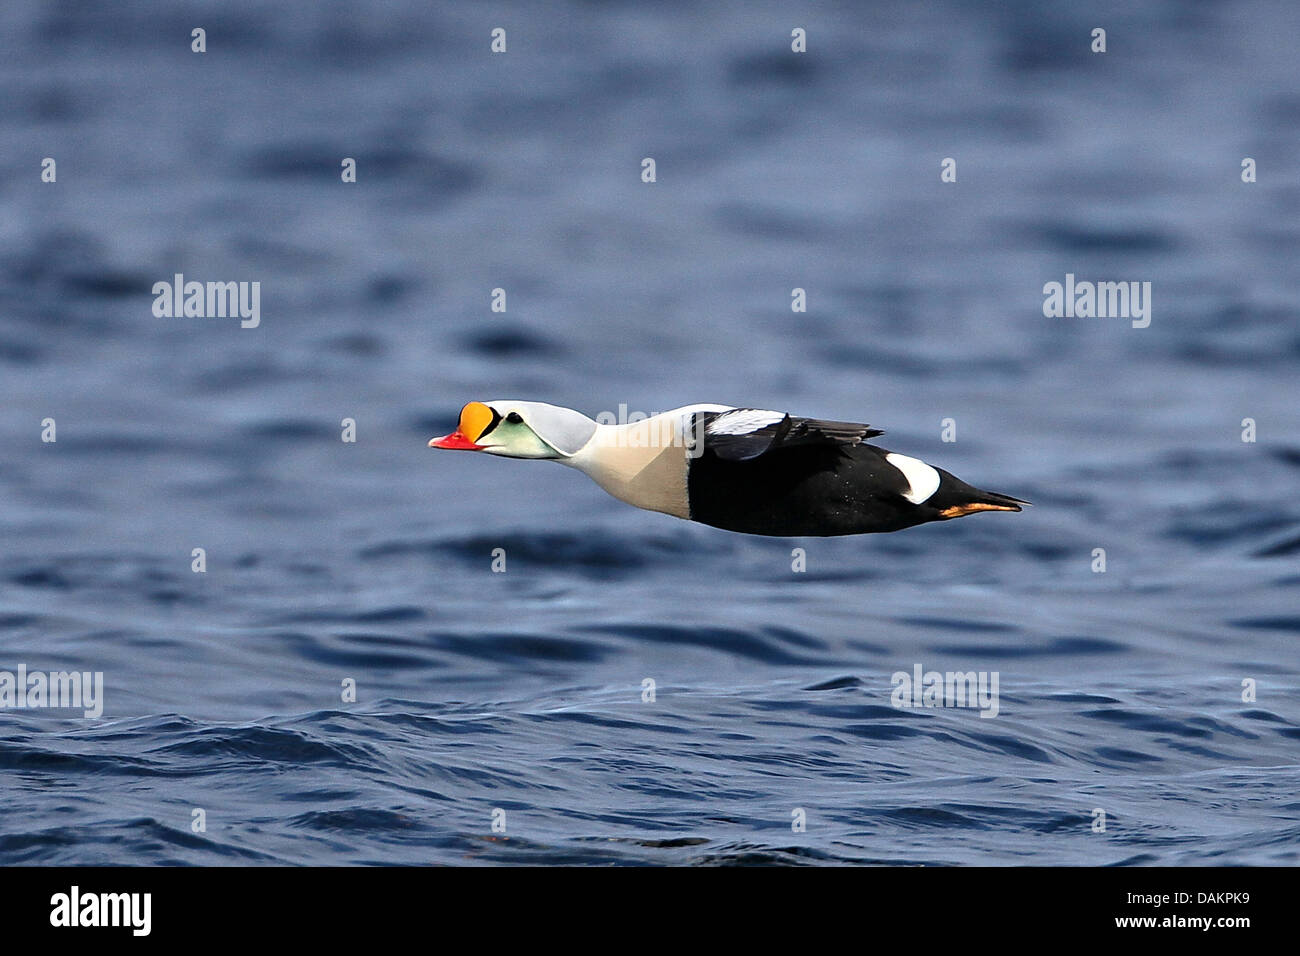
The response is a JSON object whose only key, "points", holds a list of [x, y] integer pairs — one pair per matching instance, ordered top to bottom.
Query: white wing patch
{"points": [[743, 421], [923, 479]]}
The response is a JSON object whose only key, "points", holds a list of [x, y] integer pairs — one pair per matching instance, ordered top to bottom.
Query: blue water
{"points": [[522, 691]]}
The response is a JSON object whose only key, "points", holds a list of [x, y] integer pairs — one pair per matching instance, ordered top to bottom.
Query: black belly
{"points": [[803, 491]]}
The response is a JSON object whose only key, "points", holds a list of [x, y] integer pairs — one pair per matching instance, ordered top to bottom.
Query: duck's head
{"points": [[519, 430]]}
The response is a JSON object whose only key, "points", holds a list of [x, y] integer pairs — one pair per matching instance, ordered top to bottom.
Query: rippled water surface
{"points": [[523, 691]]}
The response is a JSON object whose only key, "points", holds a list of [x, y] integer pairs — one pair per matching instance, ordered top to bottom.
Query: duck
{"points": [[747, 470]]}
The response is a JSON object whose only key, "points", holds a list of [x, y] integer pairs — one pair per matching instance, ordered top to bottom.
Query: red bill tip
{"points": [[455, 440]]}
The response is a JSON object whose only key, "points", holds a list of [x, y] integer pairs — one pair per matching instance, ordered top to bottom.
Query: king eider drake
{"points": [[740, 469]]}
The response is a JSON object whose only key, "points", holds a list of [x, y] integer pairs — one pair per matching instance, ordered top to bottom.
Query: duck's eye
{"points": [[514, 418]]}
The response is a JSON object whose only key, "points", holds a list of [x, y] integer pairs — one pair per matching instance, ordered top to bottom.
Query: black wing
{"points": [[745, 433]]}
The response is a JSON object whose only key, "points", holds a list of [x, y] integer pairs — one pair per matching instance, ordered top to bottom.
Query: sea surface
{"points": [[1147, 714]]}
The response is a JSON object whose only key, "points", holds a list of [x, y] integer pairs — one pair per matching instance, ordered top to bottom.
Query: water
{"points": [[522, 691]]}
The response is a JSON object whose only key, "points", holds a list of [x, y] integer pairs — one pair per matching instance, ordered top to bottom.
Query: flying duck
{"points": [[740, 469]]}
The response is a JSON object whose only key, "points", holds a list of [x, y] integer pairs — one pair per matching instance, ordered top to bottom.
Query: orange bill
{"points": [[475, 419]]}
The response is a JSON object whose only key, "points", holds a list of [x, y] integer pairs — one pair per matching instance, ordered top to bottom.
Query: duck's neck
{"points": [[643, 463]]}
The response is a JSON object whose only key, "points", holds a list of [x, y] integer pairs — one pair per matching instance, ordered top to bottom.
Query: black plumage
{"points": [[802, 476]]}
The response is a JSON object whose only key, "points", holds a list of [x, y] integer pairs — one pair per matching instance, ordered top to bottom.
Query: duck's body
{"points": [[741, 469]]}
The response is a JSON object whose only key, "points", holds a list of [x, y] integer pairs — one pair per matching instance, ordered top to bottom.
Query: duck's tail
{"points": [[954, 498]]}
